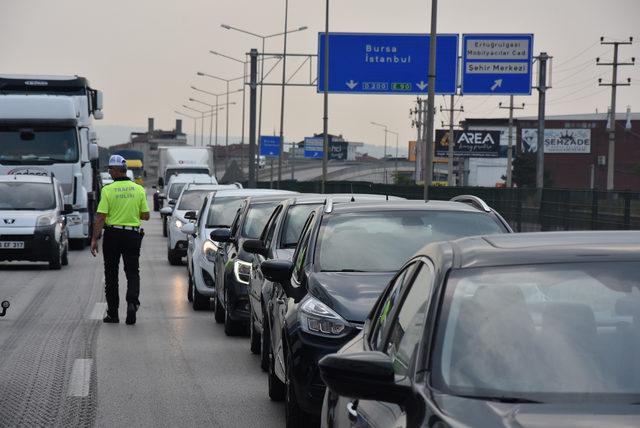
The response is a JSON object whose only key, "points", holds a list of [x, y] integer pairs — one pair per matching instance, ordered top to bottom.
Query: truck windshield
{"points": [[22, 145], [26, 196]]}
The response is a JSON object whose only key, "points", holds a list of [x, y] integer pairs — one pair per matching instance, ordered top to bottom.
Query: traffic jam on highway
{"points": [[369, 310]]}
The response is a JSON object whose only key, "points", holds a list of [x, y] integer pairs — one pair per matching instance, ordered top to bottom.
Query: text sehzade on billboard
{"points": [[570, 141], [479, 143]]}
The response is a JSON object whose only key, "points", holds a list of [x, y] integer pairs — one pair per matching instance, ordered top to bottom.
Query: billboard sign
{"points": [[366, 63], [496, 64], [574, 141], [471, 144], [270, 145], [338, 150]]}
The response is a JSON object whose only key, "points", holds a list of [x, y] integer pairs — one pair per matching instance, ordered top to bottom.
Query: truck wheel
{"points": [[164, 226], [174, 259]]}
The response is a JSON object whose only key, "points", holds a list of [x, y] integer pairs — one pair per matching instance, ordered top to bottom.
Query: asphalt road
{"points": [[61, 366]]}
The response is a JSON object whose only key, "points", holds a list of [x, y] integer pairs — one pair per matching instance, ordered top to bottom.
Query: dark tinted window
{"points": [[33, 145], [27, 196], [192, 199], [223, 210], [257, 217], [293, 224], [383, 241]]}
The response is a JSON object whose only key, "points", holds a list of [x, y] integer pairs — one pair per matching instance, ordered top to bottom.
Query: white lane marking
{"points": [[98, 311], [80, 377]]}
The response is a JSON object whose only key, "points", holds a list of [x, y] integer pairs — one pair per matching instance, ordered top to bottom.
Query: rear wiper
{"points": [[209, 226], [344, 270], [502, 399]]}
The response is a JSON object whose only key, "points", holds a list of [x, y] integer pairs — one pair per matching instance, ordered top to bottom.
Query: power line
{"points": [[578, 54]]}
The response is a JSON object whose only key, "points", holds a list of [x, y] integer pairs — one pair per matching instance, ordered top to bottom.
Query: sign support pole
{"points": [[542, 91], [252, 118], [325, 118], [510, 146], [428, 155]]}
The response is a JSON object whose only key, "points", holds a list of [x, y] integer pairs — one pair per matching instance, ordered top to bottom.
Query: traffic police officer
{"points": [[123, 204]]}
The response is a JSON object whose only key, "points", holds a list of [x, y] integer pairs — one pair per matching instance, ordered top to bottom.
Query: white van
{"points": [[33, 224]]}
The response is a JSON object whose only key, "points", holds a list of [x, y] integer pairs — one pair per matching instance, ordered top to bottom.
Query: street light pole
{"points": [[284, 76], [325, 117], [195, 119], [386, 130], [396, 162]]}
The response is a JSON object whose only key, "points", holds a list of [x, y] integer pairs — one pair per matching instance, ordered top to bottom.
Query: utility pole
{"points": [[614, 84], [542, 90], [451, 110], [252, 117], [325, 117], [418, 121], [510, 146], [428, 155], [293, 160]]}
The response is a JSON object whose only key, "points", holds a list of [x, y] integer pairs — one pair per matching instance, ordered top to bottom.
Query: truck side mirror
{"points": [[93, 152]]}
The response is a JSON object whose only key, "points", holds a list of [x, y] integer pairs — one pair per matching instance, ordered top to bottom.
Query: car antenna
{"points": [[387, 197], [353, 199]]}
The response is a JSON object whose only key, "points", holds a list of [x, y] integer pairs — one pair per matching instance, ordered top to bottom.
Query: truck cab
{"points": [[46, 124]]}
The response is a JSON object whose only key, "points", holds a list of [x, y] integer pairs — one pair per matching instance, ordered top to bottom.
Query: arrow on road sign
{"points": [[351, 84], [496, 84], [421, 85]]}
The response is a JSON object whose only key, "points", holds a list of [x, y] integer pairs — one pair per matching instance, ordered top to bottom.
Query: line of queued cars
{"points": [[371, 311]]}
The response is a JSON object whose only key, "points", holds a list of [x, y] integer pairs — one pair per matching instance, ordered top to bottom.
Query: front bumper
{"points": [[38, 246], [204, 276], [237, 304], [307, 384]]}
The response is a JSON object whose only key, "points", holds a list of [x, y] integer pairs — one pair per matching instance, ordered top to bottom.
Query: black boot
{"points": [[132, 308], [111, 319]]}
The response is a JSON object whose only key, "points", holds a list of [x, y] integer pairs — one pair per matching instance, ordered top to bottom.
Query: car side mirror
{"points": [[93, 152], [161, 196], [67, 209], [166, 211], [190, 215], [189, 229], [222, 234], [255, 246], [278, 271], [364, 375]]}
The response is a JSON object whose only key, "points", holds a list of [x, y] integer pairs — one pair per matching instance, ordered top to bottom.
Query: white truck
{"points": [[46, 126], [184, 160]]}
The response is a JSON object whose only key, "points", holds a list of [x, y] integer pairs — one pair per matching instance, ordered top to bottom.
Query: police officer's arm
{"points": [[144, 208], [144, 216], [97, 227]]}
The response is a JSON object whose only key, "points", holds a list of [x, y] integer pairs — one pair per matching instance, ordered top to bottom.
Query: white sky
{"points": [[144, 54]]}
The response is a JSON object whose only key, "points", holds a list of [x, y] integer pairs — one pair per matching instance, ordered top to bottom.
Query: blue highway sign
{"points": [[387, 63], [496, 64], [269, 145], [313, 147]]}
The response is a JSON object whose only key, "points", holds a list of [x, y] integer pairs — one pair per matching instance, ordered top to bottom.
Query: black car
{"points": [[278, 241], [345, 257], [232, 266], [526, 330]]}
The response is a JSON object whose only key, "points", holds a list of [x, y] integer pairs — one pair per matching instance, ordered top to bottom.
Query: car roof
{"points": [[25, 178], [250, 192], [339, 197], [259, 199], [390, 205], [545, 247]]}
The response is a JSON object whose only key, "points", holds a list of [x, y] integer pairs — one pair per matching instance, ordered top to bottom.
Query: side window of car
{"points": [[202, 213], [235, 225], [267, 233], [300, 255], [382, 318], [409, 323]]}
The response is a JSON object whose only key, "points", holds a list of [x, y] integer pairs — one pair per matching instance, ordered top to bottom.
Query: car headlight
{"points": [[46, 220], [179, 224], [209, 250], [242, 270], [317, 318]]}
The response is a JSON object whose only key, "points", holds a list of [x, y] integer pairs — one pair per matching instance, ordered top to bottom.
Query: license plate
{"points": [[11, 245]]}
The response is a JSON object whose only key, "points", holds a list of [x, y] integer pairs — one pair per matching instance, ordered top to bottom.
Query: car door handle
{"points": [[352, 407]]}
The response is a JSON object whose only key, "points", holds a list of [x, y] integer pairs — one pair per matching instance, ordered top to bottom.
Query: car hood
{"points": [[22, 218], [350, 294], [472, 412]]}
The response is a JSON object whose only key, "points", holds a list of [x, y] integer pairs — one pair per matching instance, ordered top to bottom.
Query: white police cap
{"points": [[117, 160]]}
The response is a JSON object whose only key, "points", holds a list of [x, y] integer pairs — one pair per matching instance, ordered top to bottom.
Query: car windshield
{"points": [[38, 145], [176, 188], [26, 196], [192, 199], [223, 210], [257, 217], [294, 222], [383, 241], [541, 332]]}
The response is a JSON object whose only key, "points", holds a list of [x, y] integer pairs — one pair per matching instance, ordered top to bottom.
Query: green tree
{"points": [[524, 171]]}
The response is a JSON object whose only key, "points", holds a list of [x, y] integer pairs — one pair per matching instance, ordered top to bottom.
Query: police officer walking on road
{"points": [[123, 204]]}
